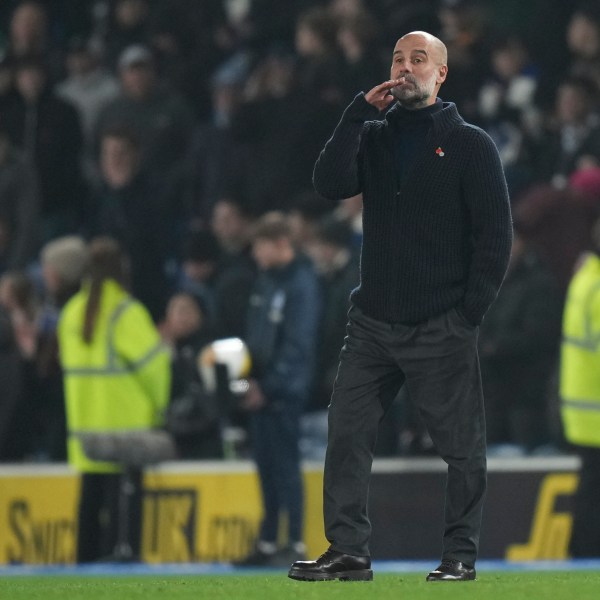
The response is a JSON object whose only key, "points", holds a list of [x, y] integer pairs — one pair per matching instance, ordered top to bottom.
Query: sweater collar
{"points": [[443, 115]]}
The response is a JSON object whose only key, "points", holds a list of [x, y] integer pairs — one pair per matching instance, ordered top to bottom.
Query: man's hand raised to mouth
{"points": [[380, 96]]}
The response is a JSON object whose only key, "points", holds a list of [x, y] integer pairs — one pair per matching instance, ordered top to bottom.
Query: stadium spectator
{"points": [[128, 24], [464, 30], [29, 37], [182, 37], [583, 38], [320, 61], [363, 62], [89, 87], [8, 94], [506, 98], [161, 119], [47, 130], [267, 135], [572, 138], [213, 160], [129, 205], [19, 207], [305, 212], [557, 223], [232, 225], [201, 255], [63, 261], [337, 267], [18, 297], [19, 311], [281, 335], [518, 348], [14, 423], [197, 430]]}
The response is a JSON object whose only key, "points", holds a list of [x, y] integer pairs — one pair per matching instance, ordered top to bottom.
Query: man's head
{"points": [[28, 27], [421, 59], [137, 72], [30, 79], [575, 100], [120, 156], [231, 223], [272, 241], [330, 249], [201, 254], [64, 261], [184, 315]]}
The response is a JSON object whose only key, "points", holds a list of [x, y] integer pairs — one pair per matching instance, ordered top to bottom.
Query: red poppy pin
{"points": [[439, 151]]}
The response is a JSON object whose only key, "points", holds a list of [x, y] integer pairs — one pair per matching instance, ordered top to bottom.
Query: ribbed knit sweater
{"points": [[435, 239]]}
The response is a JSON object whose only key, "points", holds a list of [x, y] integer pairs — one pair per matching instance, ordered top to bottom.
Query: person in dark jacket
{"points": [[48, 132], [129, 205], [19, 207], [436, 243], [338, 271], [281, 335], [518, 345]]}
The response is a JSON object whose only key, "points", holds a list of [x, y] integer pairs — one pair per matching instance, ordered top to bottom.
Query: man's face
{"points": [[417, 60], [138, 80], [572, 105], [119, 161], [227, 223], [267, 253]]}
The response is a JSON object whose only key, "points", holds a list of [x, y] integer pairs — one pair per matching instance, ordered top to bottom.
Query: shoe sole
{"points": [[357, 575], [474, 578]]}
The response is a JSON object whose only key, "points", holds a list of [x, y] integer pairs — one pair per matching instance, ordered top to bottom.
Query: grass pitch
{"points": [[565, 585]]}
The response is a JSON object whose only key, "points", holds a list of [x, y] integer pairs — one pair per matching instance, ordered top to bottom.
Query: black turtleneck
{"points": [[410, 131], [436, 216]]}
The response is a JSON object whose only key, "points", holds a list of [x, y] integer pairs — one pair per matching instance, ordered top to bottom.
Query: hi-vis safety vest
{"points": [[580, 357], [121, 380]]}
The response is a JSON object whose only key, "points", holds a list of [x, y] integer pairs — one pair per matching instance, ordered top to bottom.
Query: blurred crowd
{"points": [[173, 126]]}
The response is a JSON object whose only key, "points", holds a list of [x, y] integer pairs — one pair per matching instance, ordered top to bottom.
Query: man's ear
{"points": [[442, 73]]}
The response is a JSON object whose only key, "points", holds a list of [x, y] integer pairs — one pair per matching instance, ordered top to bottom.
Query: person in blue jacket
{"points": [[281, 334]]}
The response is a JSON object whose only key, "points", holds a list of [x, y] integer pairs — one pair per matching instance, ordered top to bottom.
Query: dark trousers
{"points": [[438, 361], [276, 433], [98, 518], [585, 541]]}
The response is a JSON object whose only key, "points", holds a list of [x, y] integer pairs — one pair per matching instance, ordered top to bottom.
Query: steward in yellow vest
{"points": [[580, 356], [117, 379], [580, 399]]}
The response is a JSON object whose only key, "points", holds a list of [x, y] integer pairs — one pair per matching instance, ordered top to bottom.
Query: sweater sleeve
{"points": [[336, 170], [486, 196]]}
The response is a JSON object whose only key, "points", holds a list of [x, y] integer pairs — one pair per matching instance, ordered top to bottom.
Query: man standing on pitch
{"points": [[437, 240]]}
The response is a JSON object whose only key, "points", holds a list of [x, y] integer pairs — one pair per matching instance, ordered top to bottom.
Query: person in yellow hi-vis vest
{"points": [[117, 379], [580, 396]]}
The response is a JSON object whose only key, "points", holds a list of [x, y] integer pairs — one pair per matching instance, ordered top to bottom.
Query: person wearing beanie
{"points": [[437, 237]]}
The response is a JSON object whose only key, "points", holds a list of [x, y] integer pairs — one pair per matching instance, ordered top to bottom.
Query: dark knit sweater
{"points": [[410, 144], [439, 239]]}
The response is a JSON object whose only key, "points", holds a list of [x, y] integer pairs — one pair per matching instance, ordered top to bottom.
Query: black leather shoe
{"points": [[333, 565], [452, 570]]}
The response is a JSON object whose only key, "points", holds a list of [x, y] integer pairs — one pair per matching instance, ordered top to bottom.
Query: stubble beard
{"points": [[415, 96]]}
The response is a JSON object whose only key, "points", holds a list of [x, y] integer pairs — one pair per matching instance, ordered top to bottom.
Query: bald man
{"points": [[436, 242]]}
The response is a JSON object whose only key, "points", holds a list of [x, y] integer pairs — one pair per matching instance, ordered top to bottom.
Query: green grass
{"points": [[573, 585]]}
